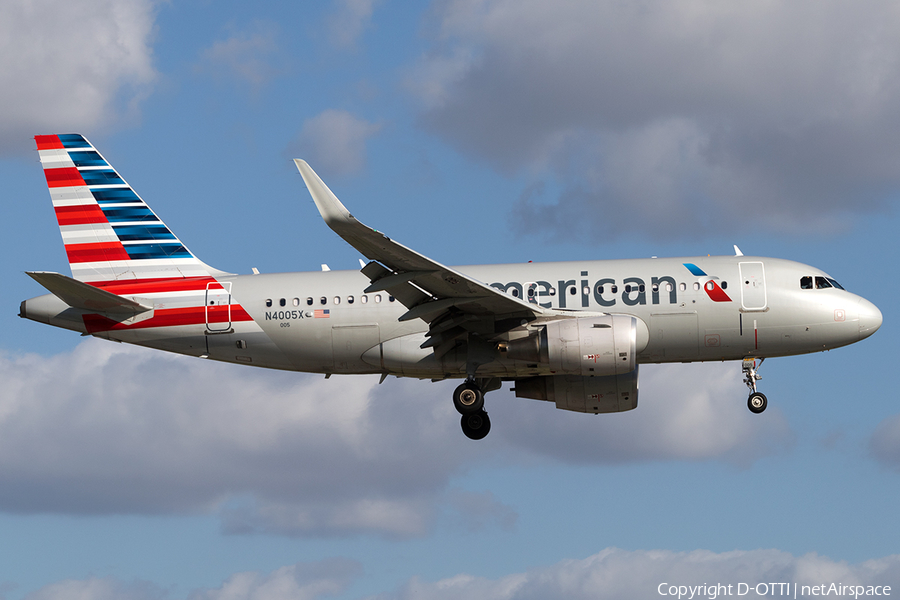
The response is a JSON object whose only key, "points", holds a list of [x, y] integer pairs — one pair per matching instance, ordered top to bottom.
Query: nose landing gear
{"points": [[757, 401]]}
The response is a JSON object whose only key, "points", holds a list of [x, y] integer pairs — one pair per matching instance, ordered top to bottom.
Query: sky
{"points": [[474, 131]]}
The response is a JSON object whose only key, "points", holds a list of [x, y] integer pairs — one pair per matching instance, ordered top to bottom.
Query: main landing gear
{"points": [[757, 401], [469, 402]]}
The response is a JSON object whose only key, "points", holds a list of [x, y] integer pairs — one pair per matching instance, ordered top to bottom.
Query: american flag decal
{"points": [[322, 313]]}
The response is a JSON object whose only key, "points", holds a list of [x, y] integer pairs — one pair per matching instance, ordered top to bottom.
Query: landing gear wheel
{"points": [[468, 398], [757, 402], [476, 425]]}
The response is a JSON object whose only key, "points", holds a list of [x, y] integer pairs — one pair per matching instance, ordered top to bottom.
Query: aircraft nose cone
{"points": [[869, 318]]}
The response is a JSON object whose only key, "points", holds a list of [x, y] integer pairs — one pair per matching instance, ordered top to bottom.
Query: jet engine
{"points": [[586, 346], [612, 393]]}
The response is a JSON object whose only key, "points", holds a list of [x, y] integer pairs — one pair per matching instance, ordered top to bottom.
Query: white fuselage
{"points": [[323, 322]]}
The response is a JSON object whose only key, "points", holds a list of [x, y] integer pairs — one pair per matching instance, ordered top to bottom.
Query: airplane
{"points": [[571, 333]]}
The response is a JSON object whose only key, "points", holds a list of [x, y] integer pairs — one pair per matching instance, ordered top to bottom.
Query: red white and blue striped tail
{"points": [[110, 234]]}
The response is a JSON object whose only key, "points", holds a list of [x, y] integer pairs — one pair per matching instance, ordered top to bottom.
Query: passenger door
{"points": [[753, 286]]}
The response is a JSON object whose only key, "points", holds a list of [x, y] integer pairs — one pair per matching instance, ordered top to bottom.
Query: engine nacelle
{"points": [[586, 346], [612, 393]]}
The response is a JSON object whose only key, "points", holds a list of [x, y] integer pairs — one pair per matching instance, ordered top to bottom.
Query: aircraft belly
{"points": [[673, 336], [182, 339], [349, 342], [248, 344], [308, 346], [404, 356]]}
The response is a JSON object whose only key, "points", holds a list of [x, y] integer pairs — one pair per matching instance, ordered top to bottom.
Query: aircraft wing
{"points": [[430, 290]]}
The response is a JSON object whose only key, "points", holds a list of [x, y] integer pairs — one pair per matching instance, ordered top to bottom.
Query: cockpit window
{"points": [[822, 283]]}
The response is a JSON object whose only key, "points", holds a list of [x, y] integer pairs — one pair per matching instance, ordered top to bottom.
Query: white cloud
{"points": [[348, 22], [244, 56], [67, 66], [673, 116], [334, 142], [691, 411], [112, 429], [884, 443], [610, 574], [613, 574], [302, 581], [97, 588]]}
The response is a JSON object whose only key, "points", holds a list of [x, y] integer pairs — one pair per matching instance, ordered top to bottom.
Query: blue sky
{"points": [[474, 131]]}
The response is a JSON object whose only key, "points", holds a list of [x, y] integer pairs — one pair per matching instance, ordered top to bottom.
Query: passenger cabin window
{"points": [[696, 285], [724, 285], [682, 286], [363, 298], [377, 298], [391, 298], [337, 299], [349, 299], [323, 300], [296, 301], [309, 301], [268, 302], [282, 302]]}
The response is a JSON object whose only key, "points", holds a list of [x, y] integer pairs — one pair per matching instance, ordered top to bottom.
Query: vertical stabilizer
{"points": [[110, 234]]}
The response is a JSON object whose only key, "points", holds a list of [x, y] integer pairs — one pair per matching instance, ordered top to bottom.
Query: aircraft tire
{"points": [[468, 398], [757, 402], [476, 425]]}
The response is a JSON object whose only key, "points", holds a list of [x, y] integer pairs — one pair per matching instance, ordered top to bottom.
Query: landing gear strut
{"points": [[757, 401]]}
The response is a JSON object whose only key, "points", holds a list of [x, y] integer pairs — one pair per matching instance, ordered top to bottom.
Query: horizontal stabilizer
{"points": [[86, 297]]}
